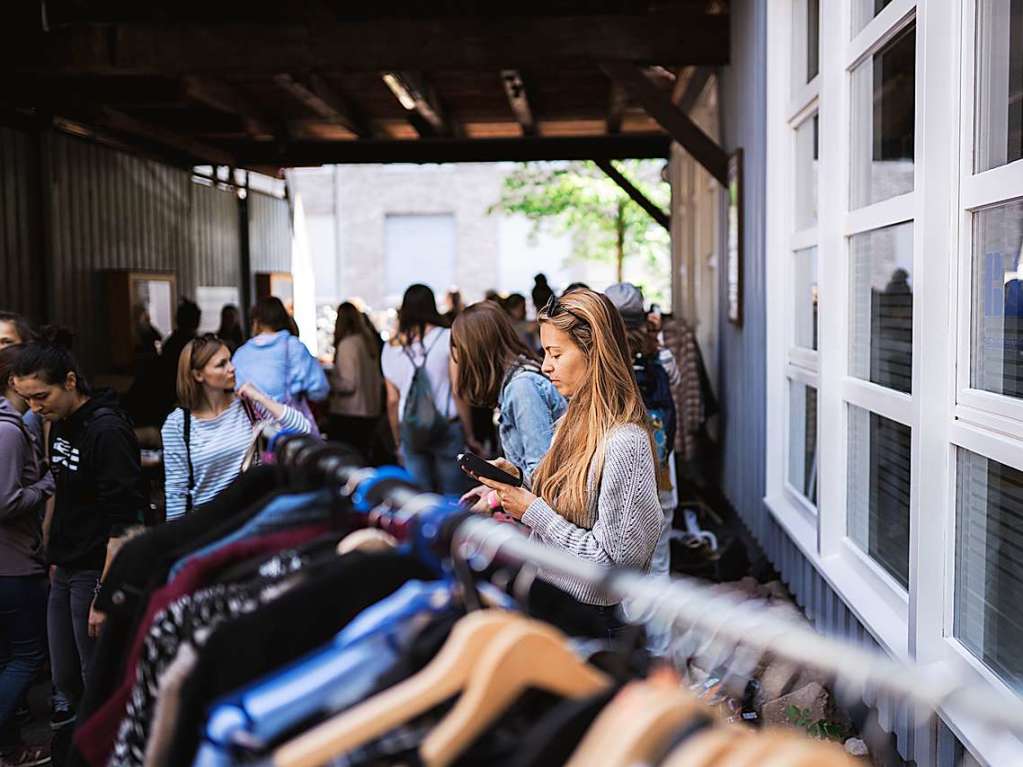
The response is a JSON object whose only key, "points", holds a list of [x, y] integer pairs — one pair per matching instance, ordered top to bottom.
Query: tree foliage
{"points": [[578, 199]]}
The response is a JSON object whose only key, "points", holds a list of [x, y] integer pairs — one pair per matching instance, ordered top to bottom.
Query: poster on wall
{"points": [[735, 238], [211, 300]]}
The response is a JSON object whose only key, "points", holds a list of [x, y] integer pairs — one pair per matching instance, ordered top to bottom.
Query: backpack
{"points": [[660, 407], [422, 424]]}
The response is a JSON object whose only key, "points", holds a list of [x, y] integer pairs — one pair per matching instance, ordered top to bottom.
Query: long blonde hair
{"points": [[608, 397]]}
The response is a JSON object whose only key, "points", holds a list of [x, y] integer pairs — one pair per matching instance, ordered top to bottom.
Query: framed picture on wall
{"points": [[735, 227]]}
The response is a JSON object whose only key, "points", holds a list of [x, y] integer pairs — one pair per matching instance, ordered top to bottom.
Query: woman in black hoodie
{"points": [[98, 475]]}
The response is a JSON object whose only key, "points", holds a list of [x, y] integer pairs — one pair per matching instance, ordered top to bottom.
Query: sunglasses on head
{"points": [[554, 307]]}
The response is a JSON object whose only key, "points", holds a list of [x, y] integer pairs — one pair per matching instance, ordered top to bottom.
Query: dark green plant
{"points": [[819, 728]]}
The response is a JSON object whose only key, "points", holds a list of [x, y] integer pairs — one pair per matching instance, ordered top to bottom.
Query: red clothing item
{"points": [[95, 737]]}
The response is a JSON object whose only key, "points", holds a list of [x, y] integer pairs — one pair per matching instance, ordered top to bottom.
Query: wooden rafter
{"points": [[478, 43], [694, 88], [316, 94], [221, 96], [518, 100], [617, 100], [420, 102], [658, 105], [123, 123], [524, 148], [655, 212]]}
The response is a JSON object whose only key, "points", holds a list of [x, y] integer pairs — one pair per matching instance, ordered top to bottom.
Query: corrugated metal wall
{"points": [[99, 209], [19, 230], [269, 233], [742, 354]]}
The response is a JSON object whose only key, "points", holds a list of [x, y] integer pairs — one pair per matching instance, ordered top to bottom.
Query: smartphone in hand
{"points": [[475, 466]]}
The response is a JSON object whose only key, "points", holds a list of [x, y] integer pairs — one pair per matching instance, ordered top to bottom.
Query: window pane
{"points": [[865, 10], [813, 39], [999, 83], [883, 120], [806, 173], [806, 298], [881, 306], [997, 348], [803, 439], [878, 490], [989, 563]]}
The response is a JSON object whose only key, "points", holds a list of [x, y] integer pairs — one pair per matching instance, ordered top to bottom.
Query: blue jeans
{"points": [[436, 470], [67, 622], [22, 634]]}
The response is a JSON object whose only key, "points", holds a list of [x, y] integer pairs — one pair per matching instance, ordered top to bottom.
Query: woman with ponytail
{"points": [[595, 492]]}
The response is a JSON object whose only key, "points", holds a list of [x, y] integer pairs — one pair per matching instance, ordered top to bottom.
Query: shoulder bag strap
{"points": [[187, 427]]}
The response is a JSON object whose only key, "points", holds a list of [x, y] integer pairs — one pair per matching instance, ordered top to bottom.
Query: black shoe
{"points": [[23, 715], [61, 717], [26, 756]]}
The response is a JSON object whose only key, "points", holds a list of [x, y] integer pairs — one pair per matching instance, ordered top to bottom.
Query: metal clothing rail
{"points": [[705, 621], [743, 633]]}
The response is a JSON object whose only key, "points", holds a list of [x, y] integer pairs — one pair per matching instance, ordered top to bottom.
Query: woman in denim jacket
{"points": [[494, 368]]}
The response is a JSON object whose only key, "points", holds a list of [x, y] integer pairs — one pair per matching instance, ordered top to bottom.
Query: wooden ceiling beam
{"points": [[491, 43], [694, 88], [222, 97], [321, 99], [419, 100], [518, 100], [617, 100], [658, 105], [154, 134], [428, 150], [653, 210]]}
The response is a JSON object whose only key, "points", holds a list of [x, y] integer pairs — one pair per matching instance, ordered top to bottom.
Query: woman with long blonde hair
{"points": [[595, 492]]}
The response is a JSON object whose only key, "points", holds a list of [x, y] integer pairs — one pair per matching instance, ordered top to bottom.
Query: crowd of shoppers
{"points": [[577, 396]]}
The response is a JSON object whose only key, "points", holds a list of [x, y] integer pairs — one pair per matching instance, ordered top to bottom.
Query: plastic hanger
{"points": [[531, 654], [445, 675], [637, 726]]}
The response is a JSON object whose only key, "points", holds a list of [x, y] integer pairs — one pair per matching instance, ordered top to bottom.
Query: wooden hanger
{"points": [[532, 654], [444, 676], [636, 726], [708, 748], [753, 751]]}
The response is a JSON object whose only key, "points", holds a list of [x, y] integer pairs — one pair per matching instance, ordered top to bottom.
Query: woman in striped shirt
{"points": [[220, 425]]}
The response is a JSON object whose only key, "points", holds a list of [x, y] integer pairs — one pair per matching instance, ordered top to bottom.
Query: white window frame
{"points": [[942, 411]]}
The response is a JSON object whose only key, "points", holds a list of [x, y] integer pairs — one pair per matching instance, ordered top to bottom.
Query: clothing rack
{"points": [[707, 618], [703, 620]]}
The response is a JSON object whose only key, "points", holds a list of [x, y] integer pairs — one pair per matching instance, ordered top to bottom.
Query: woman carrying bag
{"points": [[207, 438]]}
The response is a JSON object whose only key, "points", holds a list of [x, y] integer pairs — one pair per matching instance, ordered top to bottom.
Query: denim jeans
{"points": [[436, 470], [67, 620], [22, 653]]}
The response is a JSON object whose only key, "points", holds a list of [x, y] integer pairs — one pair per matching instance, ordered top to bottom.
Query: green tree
{"points": [[578, 199]]}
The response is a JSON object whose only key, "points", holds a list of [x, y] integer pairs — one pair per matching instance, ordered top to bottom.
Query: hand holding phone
{"points": [[475, 466]]}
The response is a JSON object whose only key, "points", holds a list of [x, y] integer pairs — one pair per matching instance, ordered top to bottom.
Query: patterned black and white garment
{"points": [[191, 618]]}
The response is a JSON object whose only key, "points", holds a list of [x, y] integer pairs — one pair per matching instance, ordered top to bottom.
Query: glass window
{"points": [[865, 10], [813, 39], [883, 119], [999, 127], [806, 173], [806, 298], [881, 306], [996, 363], [803, 440], [878, 490], [989, 563]]}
